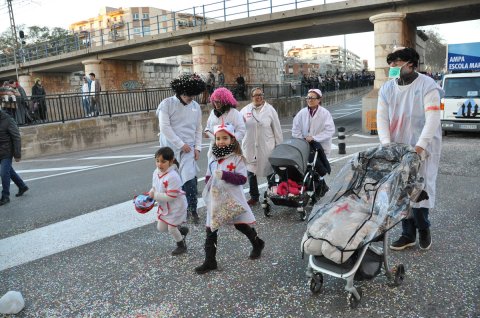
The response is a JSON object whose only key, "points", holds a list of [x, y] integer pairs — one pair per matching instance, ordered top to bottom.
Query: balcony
{"points": [[117, 25], [83, 34], [114, 36]]}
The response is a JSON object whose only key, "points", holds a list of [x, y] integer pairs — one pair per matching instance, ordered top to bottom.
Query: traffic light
{"points": [[22, 36]]}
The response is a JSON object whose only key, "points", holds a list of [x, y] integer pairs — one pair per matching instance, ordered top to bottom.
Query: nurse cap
{"points": [[226, 127]]}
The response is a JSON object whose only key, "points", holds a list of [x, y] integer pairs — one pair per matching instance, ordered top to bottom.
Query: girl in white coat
{"points": [[224, 111], [263, 133], [227, 164], [172, 204]]}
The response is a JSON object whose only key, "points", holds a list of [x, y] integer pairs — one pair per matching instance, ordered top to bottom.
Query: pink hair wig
{"points": [[225, 97]]}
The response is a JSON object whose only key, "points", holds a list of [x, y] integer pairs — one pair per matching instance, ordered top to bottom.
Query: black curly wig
{"points": [[406, 54], [188, 84]]}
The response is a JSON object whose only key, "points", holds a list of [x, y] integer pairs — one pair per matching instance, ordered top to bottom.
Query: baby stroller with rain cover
{"points": [[296, 179], [368, 197]]}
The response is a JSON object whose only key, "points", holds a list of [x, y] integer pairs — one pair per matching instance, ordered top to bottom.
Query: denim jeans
{"points": [[86, 105], [8, 173], [190, 188], [419, 220]]}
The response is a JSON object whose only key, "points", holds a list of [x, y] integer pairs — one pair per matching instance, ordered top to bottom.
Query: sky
{"points": [[62, 13]]}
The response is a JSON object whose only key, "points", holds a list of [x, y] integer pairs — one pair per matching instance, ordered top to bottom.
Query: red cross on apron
{"points": [[231, 166]]}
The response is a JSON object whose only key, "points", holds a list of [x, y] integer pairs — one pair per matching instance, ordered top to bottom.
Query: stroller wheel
{"points": [[266, 210], [303, 214], [399, 275], [316, 283], [354, 301]]}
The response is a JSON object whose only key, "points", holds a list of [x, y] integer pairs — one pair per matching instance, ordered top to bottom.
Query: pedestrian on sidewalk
{"points": [[95, 89], [38, 98], [224, 111], [408, 112], [180, 121], [263, 133], [10, 147], [226, 167], [172, 204]]}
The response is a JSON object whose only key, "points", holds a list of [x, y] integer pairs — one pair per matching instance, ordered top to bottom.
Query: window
{"points": [[136, 16], [145, 16], [163, 18], [146, 30], [137, 31]]}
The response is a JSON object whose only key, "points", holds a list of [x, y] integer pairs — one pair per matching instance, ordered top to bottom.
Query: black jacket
{"points": [[10, 141]]}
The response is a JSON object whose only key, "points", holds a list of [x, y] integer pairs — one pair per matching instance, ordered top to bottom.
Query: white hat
{"points": [[316, 91], [226, 127]]}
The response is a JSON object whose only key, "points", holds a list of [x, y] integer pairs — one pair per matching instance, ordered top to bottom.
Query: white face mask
{"points": [[394, 71]]}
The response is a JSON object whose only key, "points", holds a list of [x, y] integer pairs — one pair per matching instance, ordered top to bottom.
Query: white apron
{"points": [[402, 108], [263, 133], [232, 163], [173, 212]]}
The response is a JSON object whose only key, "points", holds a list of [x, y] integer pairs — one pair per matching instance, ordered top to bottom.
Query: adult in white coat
{"points": [[224, 112], [408, 112], [180, 120], [314, 123], [263, 133]]}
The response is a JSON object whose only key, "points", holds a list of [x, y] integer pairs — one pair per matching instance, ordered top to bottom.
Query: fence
{"points": [[145, 26], [68, 107]]}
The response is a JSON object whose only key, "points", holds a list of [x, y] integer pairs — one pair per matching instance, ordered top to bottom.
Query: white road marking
{"points": [[348, 114], [365, 136], [115, 157], [55, 169], [55, 238]]}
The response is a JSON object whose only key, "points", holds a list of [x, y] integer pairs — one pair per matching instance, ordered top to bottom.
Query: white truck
{"points": [[461, 104]]}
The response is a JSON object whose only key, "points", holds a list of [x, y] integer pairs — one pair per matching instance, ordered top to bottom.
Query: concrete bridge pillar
{"points": [[390, 29], [203, 56], [115, 74], [26, 82]]}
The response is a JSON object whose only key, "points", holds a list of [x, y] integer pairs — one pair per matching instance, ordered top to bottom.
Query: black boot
{"points": [[195, 218], [184, 231], [257, 243], [181, 248], [210, 262]]}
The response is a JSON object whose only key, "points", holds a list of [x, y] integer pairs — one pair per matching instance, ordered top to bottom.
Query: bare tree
{"points": [[435, 51]]}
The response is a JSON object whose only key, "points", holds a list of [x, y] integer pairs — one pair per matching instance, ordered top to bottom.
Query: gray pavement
{"points": [[133, 275]]}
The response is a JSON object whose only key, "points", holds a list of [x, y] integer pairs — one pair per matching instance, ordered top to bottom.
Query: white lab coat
{"points": [[410, 114], [233, 117], [181, 124], [320, 127], [263, 133], [237, 163], [174, 211]]}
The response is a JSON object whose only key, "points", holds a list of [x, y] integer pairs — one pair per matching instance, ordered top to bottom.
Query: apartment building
{"points": [[117, 24], [328, 58]]}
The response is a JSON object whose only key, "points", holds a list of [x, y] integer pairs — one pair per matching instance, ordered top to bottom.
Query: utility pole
{"points": [[14, 33]]}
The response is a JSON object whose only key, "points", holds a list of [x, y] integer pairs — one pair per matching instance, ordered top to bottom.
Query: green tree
{"points": [[435, 51]]}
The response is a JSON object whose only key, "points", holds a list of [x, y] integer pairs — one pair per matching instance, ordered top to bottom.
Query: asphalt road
{"points": [[122, 266]]}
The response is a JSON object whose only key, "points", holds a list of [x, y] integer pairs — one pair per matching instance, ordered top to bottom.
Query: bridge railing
{"points": [[117, 31], [68, 107]]}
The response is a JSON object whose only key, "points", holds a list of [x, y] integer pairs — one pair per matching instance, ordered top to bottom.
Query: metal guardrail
{"points": [[221, 11], [69, 107]]}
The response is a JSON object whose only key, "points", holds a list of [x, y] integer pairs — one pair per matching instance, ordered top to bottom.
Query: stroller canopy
{"points": [[292, 152], [375, 184]]}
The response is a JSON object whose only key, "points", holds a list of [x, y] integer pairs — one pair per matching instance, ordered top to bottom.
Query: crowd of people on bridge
{"points": [[336, 81]]}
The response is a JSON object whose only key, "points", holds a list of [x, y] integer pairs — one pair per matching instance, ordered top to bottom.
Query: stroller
{"points": [[295, 180], [368, 197]]}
